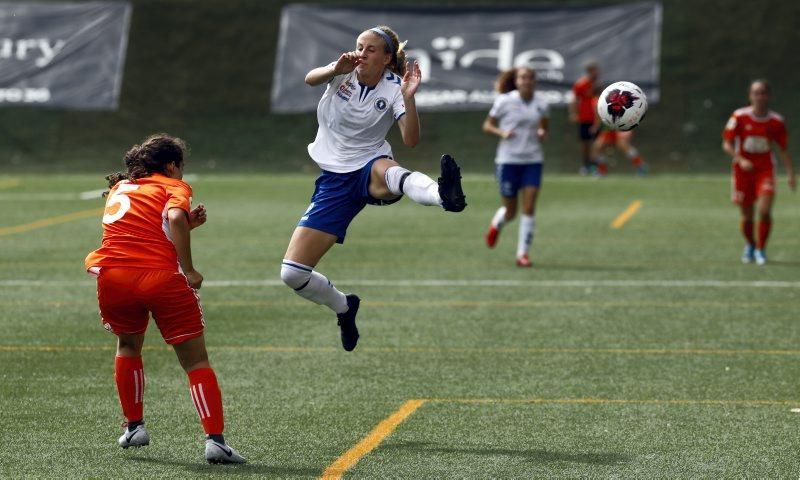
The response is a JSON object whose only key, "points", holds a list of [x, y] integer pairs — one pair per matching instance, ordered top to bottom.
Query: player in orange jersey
{"points": [[583, 112], [748, 138], [621, 141], [144, 267]]}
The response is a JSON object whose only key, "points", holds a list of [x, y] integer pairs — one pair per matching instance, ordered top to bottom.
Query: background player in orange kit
{"points": [[583, 112], [748, 138], [621, 141], [145, 266]]}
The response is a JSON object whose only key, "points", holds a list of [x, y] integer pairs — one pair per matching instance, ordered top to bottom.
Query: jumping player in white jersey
{"points": [[367, 91], [520, 118]]}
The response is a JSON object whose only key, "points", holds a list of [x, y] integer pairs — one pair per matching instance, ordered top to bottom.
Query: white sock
{"points": [[632, 153], [415, 185], [499, 219], [526, 227], [312, 286]]}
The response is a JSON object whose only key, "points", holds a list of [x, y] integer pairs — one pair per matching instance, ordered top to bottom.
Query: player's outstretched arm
{"points": [[346, 63], [409, 123], [491, 127], [728, 147], [787, 161], [197, 216], [179, 232]]}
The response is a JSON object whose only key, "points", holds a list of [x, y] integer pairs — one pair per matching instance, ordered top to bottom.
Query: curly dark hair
{"points": [[398, 63], [505, 81], [151, 156]]}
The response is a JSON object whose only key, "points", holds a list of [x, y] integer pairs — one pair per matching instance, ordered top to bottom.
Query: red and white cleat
{"points": [[491, 236], [524, 261]]}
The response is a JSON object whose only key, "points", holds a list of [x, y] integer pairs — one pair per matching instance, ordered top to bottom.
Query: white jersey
{"points": [[515, 114], [354, 120]]}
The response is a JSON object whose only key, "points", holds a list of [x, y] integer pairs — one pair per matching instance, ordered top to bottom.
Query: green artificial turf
{"points": [[647, 351]]}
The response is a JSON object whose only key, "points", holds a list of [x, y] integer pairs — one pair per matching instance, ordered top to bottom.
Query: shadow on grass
{"points": [[784, 263], [535, 455], [234, 470]]}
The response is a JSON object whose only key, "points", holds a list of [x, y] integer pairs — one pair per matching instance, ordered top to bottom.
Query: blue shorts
{"points": [[512, 177], [337, 199]]}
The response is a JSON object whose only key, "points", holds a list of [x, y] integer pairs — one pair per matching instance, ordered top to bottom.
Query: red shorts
{"points": [[609, 137], [748, 186], [127, 296]]}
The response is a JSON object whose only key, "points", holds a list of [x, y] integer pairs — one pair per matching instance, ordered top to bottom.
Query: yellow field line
{"points": [[10, 183], [627, 214], [46, 222], [432, 350], [614, 401], [336, 469]]}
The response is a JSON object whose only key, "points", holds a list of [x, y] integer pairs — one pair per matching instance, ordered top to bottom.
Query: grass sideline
{"points": [[642, 351]]}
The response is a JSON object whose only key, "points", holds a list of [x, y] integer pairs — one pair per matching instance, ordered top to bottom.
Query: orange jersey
{"points": [[583, 89], [753, 136], [135, 225]]}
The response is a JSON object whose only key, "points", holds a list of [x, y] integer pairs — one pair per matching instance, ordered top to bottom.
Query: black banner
{"points": [[461, 50]]}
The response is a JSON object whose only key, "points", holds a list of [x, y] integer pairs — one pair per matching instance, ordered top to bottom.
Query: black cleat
{"points": [[453, 199], [347, 323]]}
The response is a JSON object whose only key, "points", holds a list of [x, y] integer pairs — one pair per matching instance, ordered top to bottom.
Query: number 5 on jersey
{"points": [[118, 203]]}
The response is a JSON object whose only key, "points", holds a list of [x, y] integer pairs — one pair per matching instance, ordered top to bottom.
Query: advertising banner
{"points": [[461, 50], [66, 55]]}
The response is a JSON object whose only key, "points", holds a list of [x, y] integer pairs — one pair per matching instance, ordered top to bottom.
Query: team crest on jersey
{"points": [[381, 104]]}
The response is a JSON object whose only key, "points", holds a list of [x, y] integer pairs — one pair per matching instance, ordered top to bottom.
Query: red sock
{"points": [[637, 160], [602, 168], [764, 226], [747, 230], [129, 374], [207, 399]]}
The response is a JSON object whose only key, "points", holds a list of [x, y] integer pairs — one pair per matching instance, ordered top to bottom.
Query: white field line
{"points": [[91, 194], [87, 195], [39, 196], [461, 283]]}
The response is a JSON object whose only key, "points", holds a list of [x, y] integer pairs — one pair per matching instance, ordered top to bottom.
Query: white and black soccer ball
{"points": [[622, 106]]}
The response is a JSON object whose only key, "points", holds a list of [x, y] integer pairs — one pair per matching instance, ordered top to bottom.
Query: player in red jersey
{"points": [[583, 112], [748, 138], [144, 267]]}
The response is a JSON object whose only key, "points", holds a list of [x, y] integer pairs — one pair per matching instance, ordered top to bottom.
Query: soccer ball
{"points": [[622, 106]]}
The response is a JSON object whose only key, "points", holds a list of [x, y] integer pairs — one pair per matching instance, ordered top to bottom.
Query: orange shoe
{"points": [[491, 236], [524, 261]]}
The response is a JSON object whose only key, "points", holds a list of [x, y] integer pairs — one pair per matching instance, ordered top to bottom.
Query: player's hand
{"points": [[347, 62], [411, 80], [573, 118], [541, 133], [506, 134], [744, 163], [197, 216], [194, 278]]}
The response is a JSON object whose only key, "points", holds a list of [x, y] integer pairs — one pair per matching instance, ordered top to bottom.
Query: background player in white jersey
{"points": [[367, 91], [520, 118]]}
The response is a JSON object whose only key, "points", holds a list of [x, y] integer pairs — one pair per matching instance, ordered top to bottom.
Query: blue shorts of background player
{"points": [[513, 177], [338, 198]]}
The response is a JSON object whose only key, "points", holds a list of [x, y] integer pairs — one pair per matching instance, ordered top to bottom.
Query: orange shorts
{"points": [[609, 137], [748, 186], [127, 296]]}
